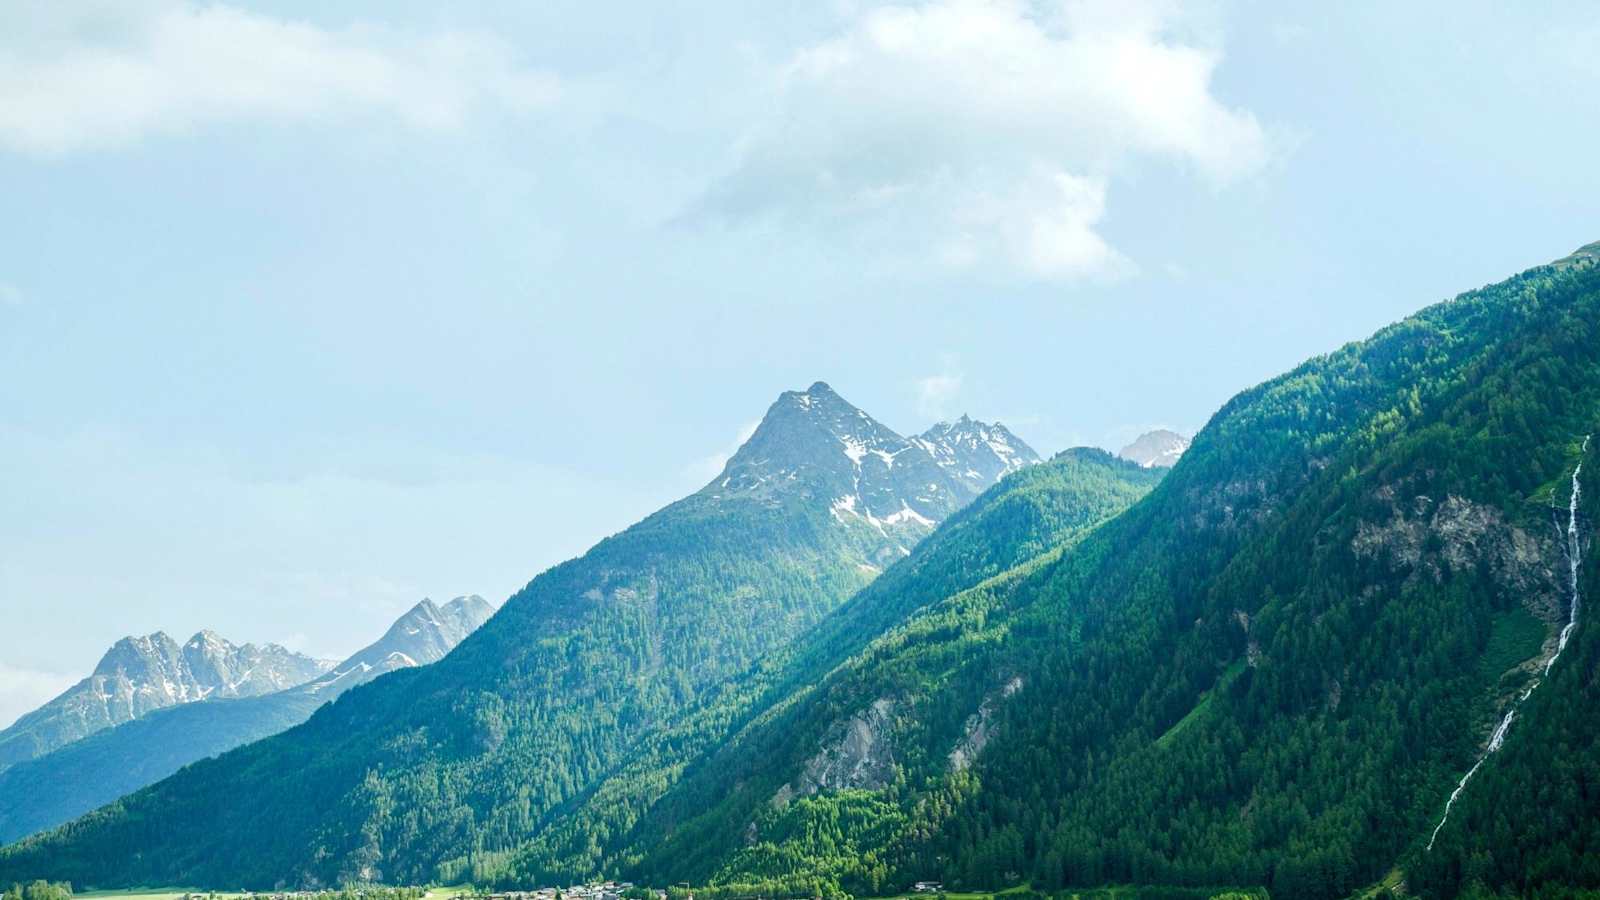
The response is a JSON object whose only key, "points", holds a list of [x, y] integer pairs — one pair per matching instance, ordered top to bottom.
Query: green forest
{"points": [[1264, 673], [1220, 688]]}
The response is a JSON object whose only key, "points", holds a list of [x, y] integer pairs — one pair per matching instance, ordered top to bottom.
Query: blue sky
{"points": [[307, 312]]}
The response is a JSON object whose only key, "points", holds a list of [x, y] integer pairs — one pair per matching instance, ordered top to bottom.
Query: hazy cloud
{"points": [[78, 76], [999, 123], [1043, 225], [10, 295], [935, 393], [709, 467], [22, 690]]}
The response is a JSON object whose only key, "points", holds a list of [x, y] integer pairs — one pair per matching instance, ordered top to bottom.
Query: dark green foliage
{"points": [[1046, 506], [626, 657], [1268, 673], [1368, 684], [544, 735], [465, 757], [1529, 824]]}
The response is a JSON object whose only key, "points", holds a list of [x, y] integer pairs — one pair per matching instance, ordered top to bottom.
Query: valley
{"points": [[904, 450], [1335, 649]]}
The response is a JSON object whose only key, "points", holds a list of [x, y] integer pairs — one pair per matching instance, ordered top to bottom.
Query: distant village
{"points": [[610, 890]]}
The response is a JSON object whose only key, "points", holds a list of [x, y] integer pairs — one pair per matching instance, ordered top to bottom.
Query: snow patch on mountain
{"points": [[816, 446], [1156, 449], [423, 635], [143, 673]]}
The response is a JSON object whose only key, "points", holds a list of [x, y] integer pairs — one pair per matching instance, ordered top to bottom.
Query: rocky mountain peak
{"points": [[816, 446], [1156, 448], [976, 453], [423, 634], [208, 638], [137, 652], [141, 673]]}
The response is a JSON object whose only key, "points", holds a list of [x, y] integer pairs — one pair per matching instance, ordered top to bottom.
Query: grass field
{"points": [[1110, 892], [1116, 892], [172, 893], [152, 894]]}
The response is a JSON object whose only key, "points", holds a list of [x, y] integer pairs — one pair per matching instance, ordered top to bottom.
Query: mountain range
{"points": [[812, 447], [1338, 647], [592, 657], [141, 674], [91, 771]]}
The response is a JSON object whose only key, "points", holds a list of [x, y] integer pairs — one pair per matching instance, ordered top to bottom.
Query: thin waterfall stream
{"points": [[1574, 551]]}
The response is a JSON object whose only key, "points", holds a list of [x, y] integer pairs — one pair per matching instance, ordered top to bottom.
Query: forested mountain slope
{"points": [[1036, 512], [1271, 671], [427, 768], [42, 793]]}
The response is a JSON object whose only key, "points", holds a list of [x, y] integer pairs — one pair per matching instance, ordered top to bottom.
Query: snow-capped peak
{"points": [[816, 445], [1156, 448], [976, 452], [423, 634]]}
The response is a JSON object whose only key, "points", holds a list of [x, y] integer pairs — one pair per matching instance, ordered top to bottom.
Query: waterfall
{"points": [[1574, 552]]}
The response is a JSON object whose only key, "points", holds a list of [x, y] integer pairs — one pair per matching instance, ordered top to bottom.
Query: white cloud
{"points": [[91, 75], [998, 123], [1044, 226], [935, 393], [23, 690]]}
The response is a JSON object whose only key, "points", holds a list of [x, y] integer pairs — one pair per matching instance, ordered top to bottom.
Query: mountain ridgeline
{"points": [[1156, 448], [818, 450], [1029, 517], [1273, 665], [1272, 671], [141, 674], [439, 768], [78, 777]]}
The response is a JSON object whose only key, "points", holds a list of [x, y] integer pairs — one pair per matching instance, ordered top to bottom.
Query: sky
{"points": [[309, 311]]}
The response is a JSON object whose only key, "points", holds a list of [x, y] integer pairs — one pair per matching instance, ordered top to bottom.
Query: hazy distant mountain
{"points": [[1156, 448], [976, 453], [423, 635], [141, 674], [559, 687], [49, 790]]}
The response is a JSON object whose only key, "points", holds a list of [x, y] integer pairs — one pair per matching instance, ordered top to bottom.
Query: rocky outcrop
{"points": [[1431, 539], [1252, 647], [979, 728], [858, 754]]}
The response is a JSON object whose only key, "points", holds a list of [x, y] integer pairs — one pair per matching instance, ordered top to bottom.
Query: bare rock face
{"points": [[1232, 505], [1431, 539], [1252, 647], [979, 728], [859, 754]]}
